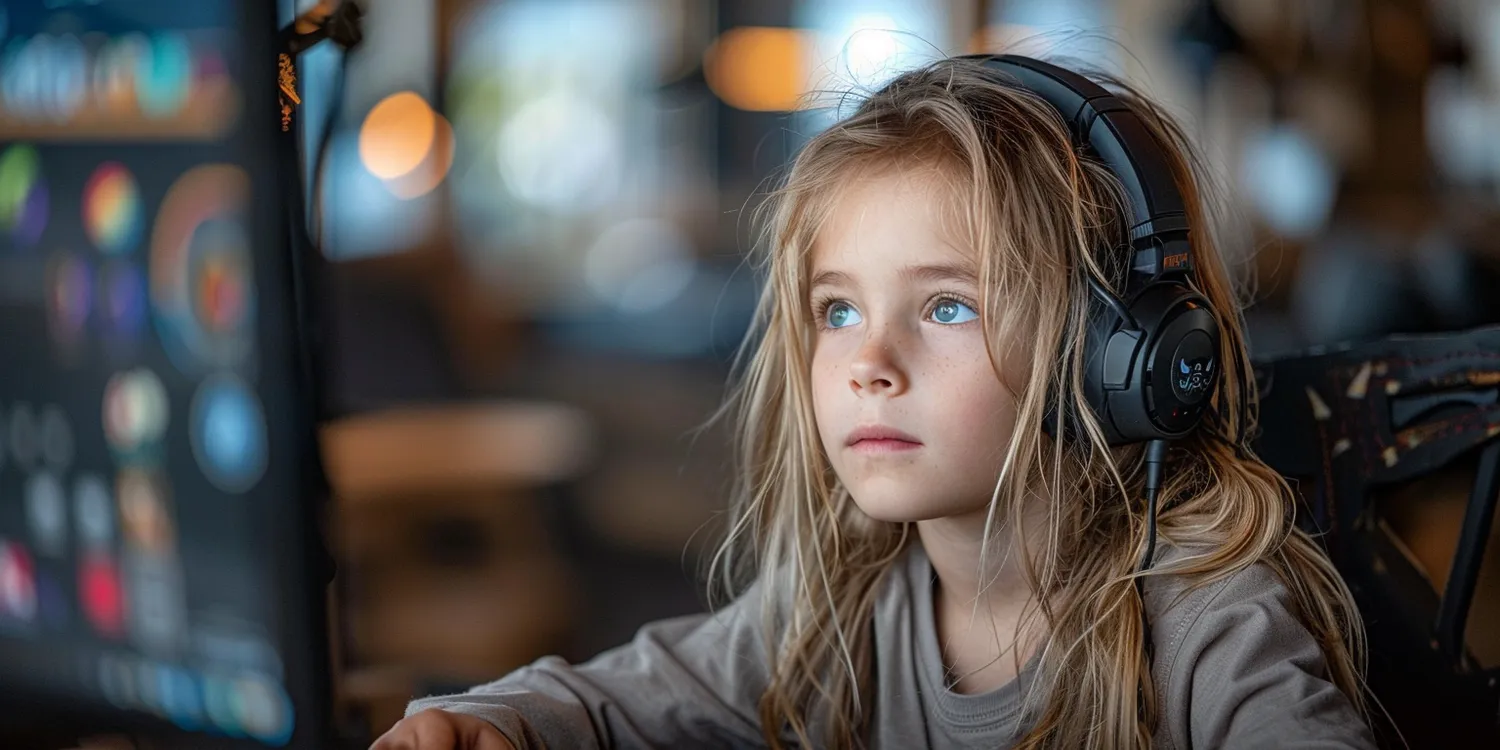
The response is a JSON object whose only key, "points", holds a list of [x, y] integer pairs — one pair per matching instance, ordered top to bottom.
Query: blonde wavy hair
{"points": [[1036, 212]]}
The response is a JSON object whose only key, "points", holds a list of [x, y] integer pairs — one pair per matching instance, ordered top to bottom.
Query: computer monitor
{"points": [[158, 467]]}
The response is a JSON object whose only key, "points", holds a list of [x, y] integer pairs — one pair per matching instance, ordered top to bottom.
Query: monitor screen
{"points": [[155, 432]]}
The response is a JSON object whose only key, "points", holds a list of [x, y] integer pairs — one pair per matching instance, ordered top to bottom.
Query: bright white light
{"points": [[870, 49], [1460, 120], [561, 152], [1290, 179]]}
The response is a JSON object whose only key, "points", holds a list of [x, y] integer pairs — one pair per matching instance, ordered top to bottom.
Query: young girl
{"points": [[922, 558]]}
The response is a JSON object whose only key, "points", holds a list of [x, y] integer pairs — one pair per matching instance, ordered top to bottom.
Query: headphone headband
{"points": [[1117, 137], [1150, 359]]}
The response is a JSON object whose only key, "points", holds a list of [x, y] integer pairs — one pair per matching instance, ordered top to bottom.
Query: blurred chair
{"points": [[1392, 446], [448, 571]]}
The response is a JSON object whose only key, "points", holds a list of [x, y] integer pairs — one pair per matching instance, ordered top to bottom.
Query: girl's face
{"points": [[911, 413]]}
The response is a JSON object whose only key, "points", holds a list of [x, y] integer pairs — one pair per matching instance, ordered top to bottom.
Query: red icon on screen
{"points": [[202, 285], [220, 291], [17, 583], [100, 594]]}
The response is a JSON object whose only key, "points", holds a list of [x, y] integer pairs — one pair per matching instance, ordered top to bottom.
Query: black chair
{"points": [[1359, 427]]}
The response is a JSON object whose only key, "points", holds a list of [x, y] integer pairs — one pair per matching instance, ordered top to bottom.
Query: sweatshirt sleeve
{"points": [[1252, 676], [688, 681]]}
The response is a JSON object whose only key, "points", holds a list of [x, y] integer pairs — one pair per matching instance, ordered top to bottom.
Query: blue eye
{"points": [[953, 312], [840, 315]]}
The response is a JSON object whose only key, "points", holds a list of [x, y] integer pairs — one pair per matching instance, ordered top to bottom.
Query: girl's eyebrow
{"points": [[941, 272], [961, 272], [831, 278]]}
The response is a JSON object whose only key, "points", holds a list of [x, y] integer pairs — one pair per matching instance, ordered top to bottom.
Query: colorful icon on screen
{"points": [[115, 68], [164, 75], [23, 194], [112, 209], [220, 275], [70, 284], [202, 285], [122, 300], [135, 413], [228, 433], [25, 436], [57, 438], [93, 512], [47, 514], [145, 519], [17, 583], [100, 595], [51, 600], [158, 604], [117, 681], [147, 686], [182, 698], [218, 704], [263, 709]]}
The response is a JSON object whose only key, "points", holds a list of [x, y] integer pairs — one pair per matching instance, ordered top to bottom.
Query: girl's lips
{"points": [[880, 433], [884, 445]]}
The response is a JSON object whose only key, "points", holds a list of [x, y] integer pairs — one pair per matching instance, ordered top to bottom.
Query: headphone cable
{"points": [[1156, 454]]}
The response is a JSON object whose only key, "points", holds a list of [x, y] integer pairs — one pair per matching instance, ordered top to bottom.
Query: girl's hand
{"points": [[434, 729]]}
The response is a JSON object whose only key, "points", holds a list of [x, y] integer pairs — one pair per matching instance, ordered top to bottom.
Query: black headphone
{"points": [[1151, 355]]}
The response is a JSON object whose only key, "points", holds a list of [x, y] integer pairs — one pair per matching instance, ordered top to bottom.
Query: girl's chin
{"points": [[903, 508]]}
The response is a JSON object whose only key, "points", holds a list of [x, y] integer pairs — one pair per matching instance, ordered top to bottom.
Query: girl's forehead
{"points": [[915, 215]]}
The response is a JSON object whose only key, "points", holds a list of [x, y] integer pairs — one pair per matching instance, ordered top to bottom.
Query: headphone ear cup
{"points": [[1104, 341], [1153, 383]]}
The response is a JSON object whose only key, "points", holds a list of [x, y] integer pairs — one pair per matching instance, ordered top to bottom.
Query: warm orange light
{"points": [[758, 68], [397, 135], [431, 172]]}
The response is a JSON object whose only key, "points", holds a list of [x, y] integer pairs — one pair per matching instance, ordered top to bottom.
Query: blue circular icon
{"points": [[228, 431], [181, 702]]}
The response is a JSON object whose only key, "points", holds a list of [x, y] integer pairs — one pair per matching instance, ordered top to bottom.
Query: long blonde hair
{"points": [[1037, 214]]}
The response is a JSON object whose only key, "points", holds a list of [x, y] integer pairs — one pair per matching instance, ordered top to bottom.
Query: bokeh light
{"points": [[871, 49], [758, 68], [397, 135], [562, 152], [432, 171], [1290, 180]]}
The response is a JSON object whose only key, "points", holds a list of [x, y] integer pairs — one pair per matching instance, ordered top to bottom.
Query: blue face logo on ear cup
{"points": [[1192, 378]]}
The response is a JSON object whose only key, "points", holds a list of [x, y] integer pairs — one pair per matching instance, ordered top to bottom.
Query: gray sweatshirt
{"points": [[1233, 668]]}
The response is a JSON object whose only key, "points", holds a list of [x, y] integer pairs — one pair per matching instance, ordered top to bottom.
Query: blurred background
{"points": [[536, 214]]}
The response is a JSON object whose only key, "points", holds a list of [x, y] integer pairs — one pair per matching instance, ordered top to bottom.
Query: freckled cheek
{"points": [[830, 357], [828, 375], [975, 403]]}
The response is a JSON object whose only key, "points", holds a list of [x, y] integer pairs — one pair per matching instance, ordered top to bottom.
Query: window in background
{"points": [[550, 105], [582, 189], [377, 199]]}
